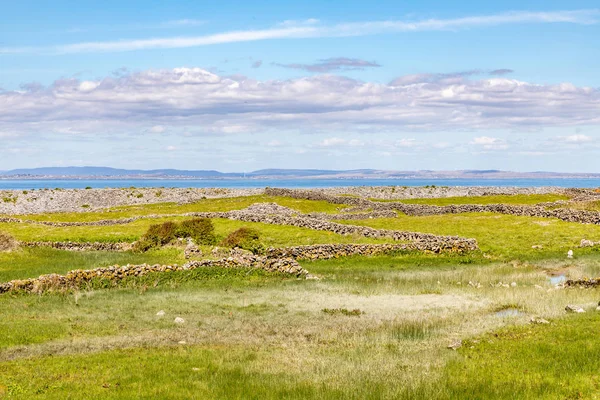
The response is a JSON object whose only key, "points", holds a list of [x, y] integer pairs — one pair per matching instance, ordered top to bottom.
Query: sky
{"points": [[245, 85]]}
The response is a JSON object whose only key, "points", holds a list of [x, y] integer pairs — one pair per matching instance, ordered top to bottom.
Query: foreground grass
{"points": [[518, 199], [33, 262], [249, 334], [557, 361], [532, 362], [181, 373]]}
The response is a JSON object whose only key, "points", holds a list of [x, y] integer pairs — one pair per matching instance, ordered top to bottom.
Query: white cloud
{"points": [[312, 29], [87, 86], [198, 102], [158, 129], [576, 139], [333, 142], [356, 143], [405, 143], [489, 143], [171, 148]]}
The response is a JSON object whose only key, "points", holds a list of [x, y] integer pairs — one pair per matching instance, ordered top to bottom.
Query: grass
{"points": [[518, 199], [585, 205], [271, 235], [504, 237], [33, 262], [370, 328], [557, 361]]}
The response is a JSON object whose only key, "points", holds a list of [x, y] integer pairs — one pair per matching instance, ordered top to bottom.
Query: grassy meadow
{"points": [[374, 327]]}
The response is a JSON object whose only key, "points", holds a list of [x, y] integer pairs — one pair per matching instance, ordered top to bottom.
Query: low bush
{"points": [[199, 229], [244, 238], [7, 242]]}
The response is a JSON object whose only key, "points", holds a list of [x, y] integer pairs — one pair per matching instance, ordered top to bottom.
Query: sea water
{"points": [[26, 184]]}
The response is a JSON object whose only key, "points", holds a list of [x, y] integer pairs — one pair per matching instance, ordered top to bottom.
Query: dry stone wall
{"points": [[565, 214], [80, 246], [328, 251], [77, 278], [583, 283]]}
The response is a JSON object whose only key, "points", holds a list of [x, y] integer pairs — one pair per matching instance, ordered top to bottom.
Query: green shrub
{"points": [[199, 229], [157, 235], [245, 238], [7, 242]]}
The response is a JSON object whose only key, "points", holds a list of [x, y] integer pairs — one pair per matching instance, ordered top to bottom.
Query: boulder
{"points": [[574, 309]]}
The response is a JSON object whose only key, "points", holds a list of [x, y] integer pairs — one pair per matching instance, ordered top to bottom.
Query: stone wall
{"points": [[565, 214], [434, 243], [80, 246], [328, 251], [77, 278], [583, 283]]}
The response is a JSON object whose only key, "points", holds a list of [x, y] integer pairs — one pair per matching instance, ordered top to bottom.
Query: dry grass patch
{"points": [[7, 242]]}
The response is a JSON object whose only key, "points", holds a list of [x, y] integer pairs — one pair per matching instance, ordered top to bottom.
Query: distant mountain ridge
{"points": [[107, 171], [91, 172]]}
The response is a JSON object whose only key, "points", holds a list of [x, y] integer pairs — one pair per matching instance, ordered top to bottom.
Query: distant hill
{"points": [[107, 172], [310, 172], [274, 173]]}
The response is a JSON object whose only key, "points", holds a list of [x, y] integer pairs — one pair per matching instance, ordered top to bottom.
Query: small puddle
{"points": [[557, 279], [508, 312]]}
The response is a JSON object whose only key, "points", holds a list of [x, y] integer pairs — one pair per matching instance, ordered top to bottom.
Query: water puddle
{"points": [[557, 279], [508, 312]]}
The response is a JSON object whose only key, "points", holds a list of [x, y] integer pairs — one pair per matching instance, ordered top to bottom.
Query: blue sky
{"points": [[238, 85]]}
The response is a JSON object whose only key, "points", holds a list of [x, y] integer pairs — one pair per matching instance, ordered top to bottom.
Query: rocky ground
{"points": [[407, 192], [81, 200]]}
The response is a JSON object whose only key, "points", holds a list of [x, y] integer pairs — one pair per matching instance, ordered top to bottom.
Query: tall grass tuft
{"points": [[7, 242], [412, 330]]}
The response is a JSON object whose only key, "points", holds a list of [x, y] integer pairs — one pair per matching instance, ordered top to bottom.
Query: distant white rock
{"points": [[570, 254], [574, 309], [161, 313], [538, 320], [179, 321]]}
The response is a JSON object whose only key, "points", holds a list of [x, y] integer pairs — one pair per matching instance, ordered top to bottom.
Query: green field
{"points": [[372, 327]]}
